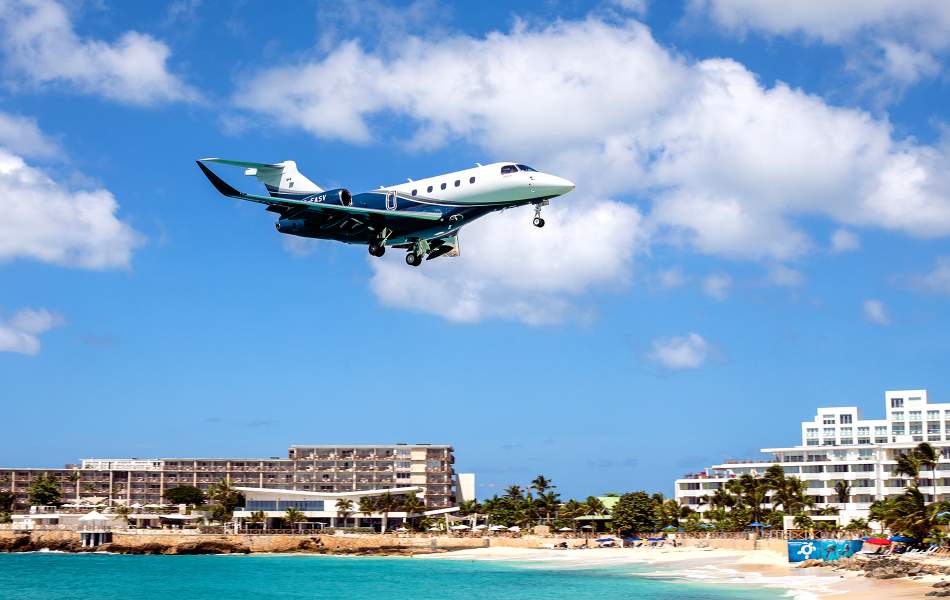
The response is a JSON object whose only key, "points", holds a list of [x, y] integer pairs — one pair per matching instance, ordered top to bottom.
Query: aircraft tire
{"points": [[538, 222], [377, 250], [413, 259]]}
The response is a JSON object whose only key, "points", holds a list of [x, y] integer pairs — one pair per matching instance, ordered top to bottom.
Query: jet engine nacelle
{"points": [[339, 197], [290, 225]]}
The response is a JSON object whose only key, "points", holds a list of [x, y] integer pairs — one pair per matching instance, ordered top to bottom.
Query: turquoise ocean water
{"points": [[51, 576]]}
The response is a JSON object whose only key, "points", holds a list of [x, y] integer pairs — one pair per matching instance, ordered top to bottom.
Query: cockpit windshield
{"points": [[527, 168], [509, 169]]}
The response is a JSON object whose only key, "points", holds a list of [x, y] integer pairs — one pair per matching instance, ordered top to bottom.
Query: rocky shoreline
{"points": [[312, 545], [888, 568]]}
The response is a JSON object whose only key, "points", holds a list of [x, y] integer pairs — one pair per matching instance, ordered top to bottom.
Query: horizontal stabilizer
{"points": [[243, 163]]}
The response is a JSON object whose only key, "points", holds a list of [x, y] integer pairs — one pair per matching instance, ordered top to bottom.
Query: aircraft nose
{"points": [[557, 186]]}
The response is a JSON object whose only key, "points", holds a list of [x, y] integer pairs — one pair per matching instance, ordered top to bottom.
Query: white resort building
{"points": [[839, 445]]}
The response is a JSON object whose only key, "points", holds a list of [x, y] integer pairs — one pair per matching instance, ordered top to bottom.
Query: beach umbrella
{"points": [[757, 524], [458, 527], [480, 527], [587, 527], [497, 528], [514, 528], [669, 528], [401, 529], [433, 529], [565, 529], [604, 539], [633, 539], [902, 539], [879, 542]]}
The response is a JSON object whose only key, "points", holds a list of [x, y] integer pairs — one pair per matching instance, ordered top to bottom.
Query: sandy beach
{"points": [[757, 568]]}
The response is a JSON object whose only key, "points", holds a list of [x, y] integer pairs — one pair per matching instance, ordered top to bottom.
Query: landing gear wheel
{"points": [[538, 222], [377, 249], [413, 259]]}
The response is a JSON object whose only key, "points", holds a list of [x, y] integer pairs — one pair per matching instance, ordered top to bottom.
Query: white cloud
{"points": [[896, 40], [41, 47], [23, 136], [727, 166], [44, 221], [843, 240], [509, 269], [784, 276], [670, 278], [937, 280], [717, 285], [875, 312], [20, 332], [680, 352]]}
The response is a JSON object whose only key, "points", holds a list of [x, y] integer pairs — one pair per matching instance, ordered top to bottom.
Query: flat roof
{"points": [[368, 446], [356, 493]]}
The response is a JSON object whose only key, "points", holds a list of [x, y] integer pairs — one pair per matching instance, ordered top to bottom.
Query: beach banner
{"points": [[799, 550]]}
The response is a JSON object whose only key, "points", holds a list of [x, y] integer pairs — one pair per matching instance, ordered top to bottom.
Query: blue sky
{"points": [[760, 228]]}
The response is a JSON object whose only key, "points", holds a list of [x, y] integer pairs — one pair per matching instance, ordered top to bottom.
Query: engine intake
{"points": [[338, 197], [290, 225]]}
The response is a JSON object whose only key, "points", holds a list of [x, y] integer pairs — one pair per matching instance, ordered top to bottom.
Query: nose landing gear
{"points": [[538, 221], [377, 249]]}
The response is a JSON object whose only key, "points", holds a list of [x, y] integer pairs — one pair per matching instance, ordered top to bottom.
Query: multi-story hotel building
{"points": [[839, 445], [326, 468]]}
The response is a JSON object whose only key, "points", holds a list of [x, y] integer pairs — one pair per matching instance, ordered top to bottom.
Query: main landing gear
{"points": [[538, 221], [418, 251]]}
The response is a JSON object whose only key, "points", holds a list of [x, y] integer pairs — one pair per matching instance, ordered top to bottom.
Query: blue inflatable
{"points": [[799, 550]]}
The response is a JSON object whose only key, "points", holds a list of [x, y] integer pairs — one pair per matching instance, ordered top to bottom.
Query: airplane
{"points": [[423, 217]]}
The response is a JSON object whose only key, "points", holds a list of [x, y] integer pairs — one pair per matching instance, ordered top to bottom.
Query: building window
{"points": [[471, 180], [897, 403], [933, 414], [897, 415], [915, 415], [845, 419], [829, 420], [933, 427], [898, 428], [915, 429], [880, 430], [813, 431], [846, 431], [829, 432], [847, 441], [813, 442], [863, 453], [403, 464], [402, 475]]}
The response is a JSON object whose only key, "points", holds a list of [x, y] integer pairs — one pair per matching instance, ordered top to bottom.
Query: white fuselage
{"points": [[497, 183]]}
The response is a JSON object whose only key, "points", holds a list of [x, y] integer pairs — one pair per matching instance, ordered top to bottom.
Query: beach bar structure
{"points": [[840, 445], [95, 529]]}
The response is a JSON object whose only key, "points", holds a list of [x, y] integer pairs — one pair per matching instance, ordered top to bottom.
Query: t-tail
{"points": [[282, 180]]}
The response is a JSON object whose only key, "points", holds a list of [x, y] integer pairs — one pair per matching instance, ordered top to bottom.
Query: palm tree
{"points": [[927, 456], [908, 464], [74, 478], [541, 484], [513, 491], [843, 491], [722, 499], [385, 503], [549, 504], [412, 505], [344, 506], [367, 506], [595, 506], [122, 512], [257, 516], [294, 516]]}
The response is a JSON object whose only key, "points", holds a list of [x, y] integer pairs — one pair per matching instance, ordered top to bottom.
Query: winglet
{"points": [[218, 183]]}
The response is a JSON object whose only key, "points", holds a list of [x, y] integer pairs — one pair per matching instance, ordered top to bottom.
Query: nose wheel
{"points": [[538, 221], [377, 250]]}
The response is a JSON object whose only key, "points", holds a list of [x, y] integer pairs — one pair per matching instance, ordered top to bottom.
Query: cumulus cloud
{"points": [[895, 40], [40, 47], [23, 136], [728, 166], [45, 221], [843, 240], [508, 269], [783, 276], [670, 278], [936, 281], [717, 285], [875, 312], [20, 333], [680, 352]]}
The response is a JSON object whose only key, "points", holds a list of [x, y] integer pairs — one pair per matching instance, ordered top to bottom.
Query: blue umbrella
{"points": [[757, 524], [707, 525], [669, 528], [632, 539], [902, 539], [604, 540]]}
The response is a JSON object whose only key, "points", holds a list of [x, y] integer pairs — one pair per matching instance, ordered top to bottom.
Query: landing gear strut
{"points": [[538, 221], [377, 246]]}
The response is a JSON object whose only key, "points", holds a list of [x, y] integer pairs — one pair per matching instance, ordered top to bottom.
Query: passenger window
{"points": [[509, 169], [471, 180], [457, 183], [443, 186], [429, 189], [414, 192]]}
